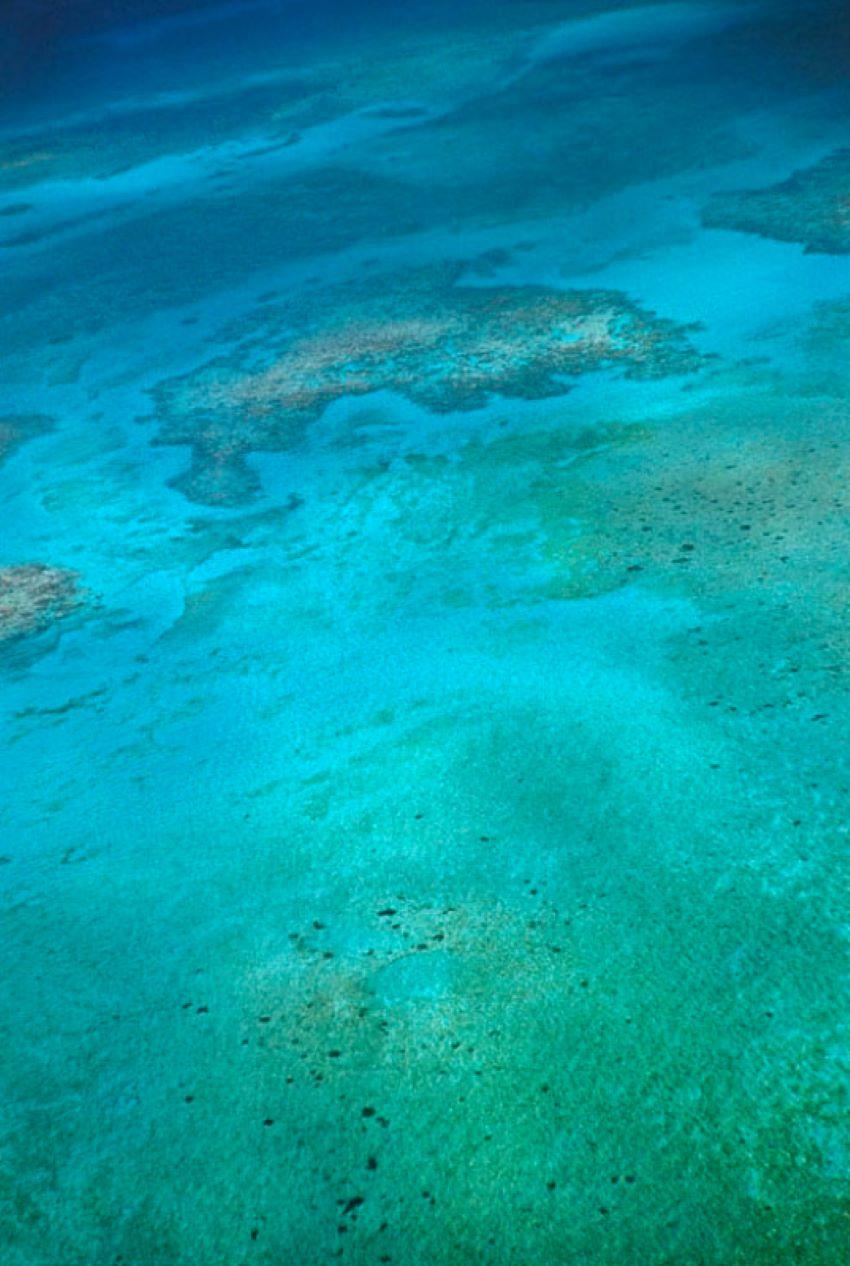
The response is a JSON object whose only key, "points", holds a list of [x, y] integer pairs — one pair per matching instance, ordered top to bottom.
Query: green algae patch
{"points": [[811, 207], [423, 334], [742, 495], [732, 497], [33, 597]]}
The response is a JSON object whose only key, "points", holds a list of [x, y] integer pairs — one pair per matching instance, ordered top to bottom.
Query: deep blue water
{"points": [[423, 633]]}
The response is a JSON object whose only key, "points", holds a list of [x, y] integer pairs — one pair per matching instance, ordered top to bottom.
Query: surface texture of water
{"points": [[424, 456]]}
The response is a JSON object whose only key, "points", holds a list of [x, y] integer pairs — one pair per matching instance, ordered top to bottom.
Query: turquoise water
{"points": [[423, 634]]}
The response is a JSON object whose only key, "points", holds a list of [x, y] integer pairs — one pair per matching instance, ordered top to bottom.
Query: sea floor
{"points": [[424, 643]]}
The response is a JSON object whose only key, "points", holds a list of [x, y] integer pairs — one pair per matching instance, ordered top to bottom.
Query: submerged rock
{"points": [[811, 207], [421, 333], [34, 596]]}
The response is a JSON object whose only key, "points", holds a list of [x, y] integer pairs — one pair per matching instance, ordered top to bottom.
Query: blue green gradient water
{"points": [[424, 833]]}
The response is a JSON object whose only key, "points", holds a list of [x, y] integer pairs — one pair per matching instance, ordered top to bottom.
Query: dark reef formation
{"points": [[811, 207], [443, 345], [32, 597]]}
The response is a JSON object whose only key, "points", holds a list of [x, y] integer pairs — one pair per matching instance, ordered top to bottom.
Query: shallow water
{"points": [[423, 583]]}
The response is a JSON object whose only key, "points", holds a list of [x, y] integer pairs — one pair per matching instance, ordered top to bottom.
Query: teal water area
{"points": [[424, 458]]}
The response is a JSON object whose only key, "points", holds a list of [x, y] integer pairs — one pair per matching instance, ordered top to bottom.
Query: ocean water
{"points": [[424, 580]]}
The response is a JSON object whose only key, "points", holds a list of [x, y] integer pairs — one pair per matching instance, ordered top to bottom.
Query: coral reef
{"points": [[811, 207], [445, 345], [34, 596]]}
